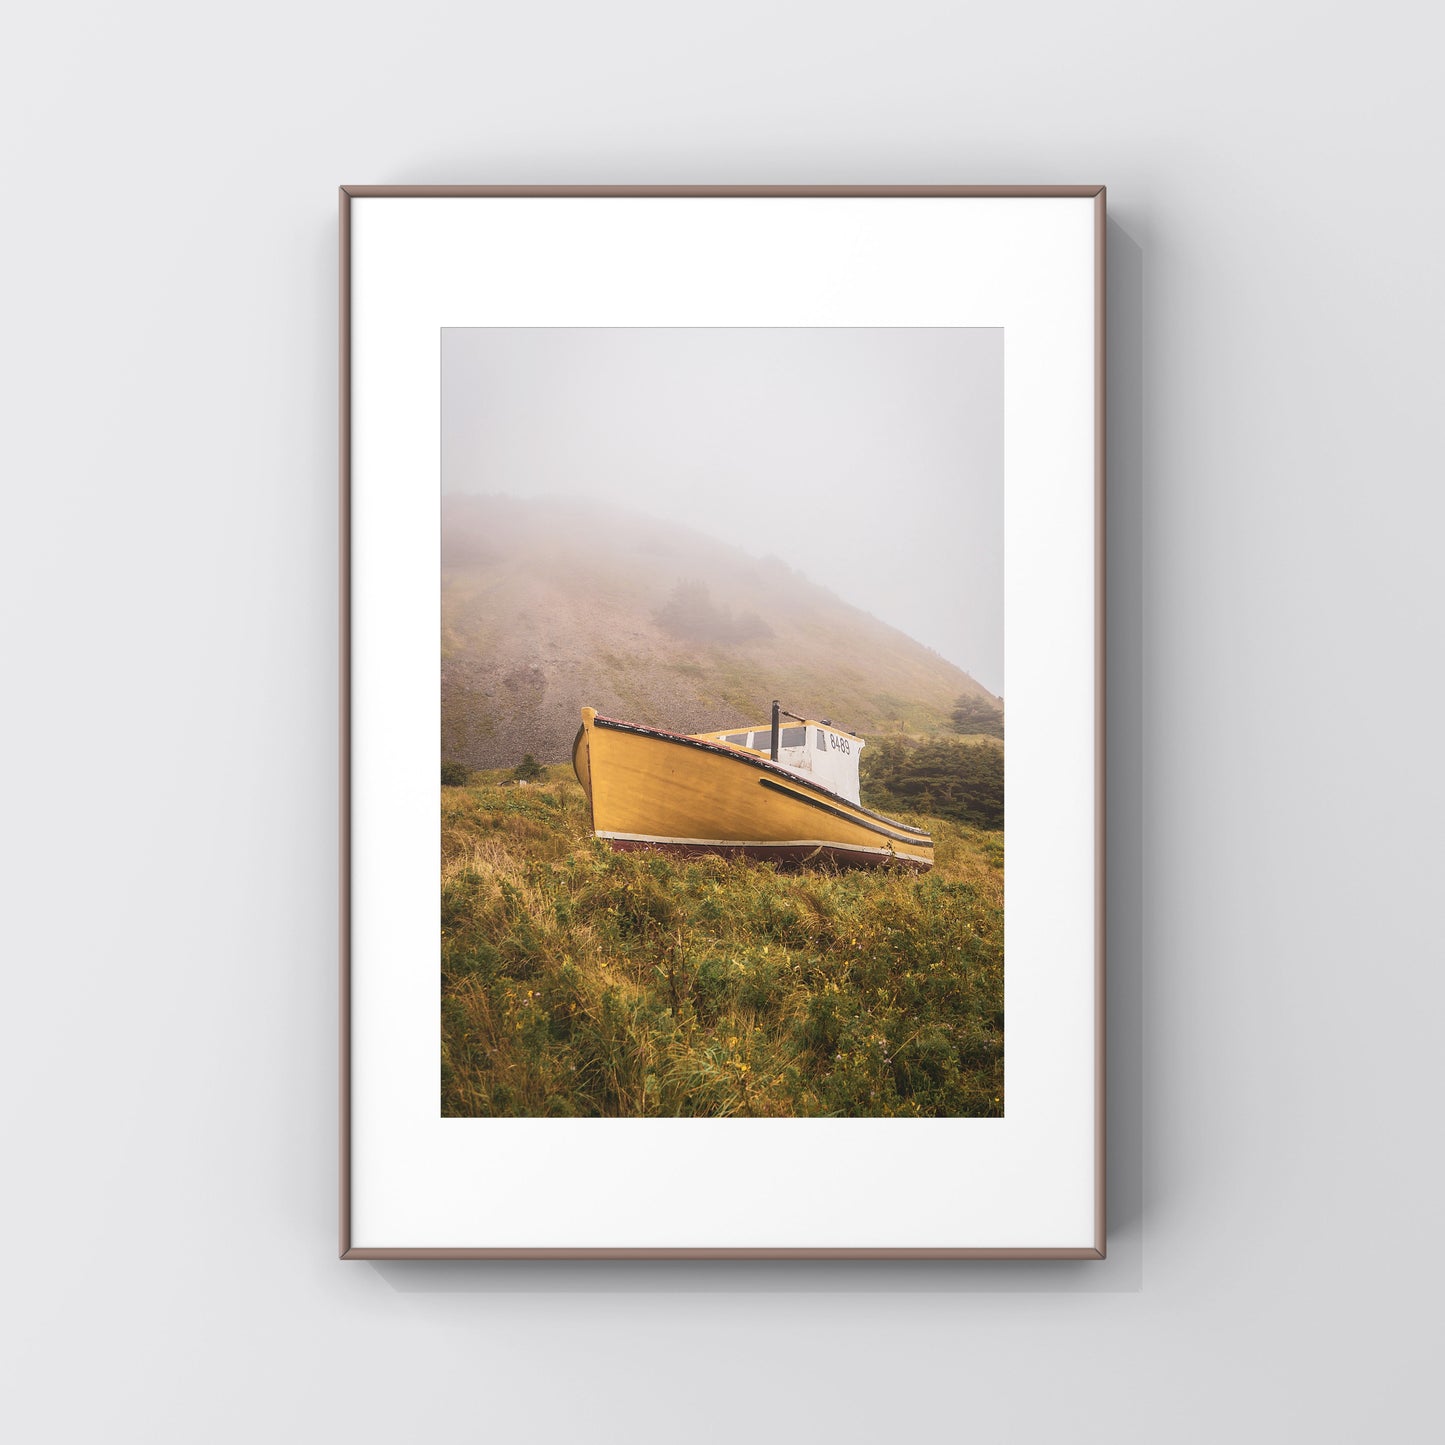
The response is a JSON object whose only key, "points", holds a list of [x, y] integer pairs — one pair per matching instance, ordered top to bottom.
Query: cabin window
{"points": [[793, 738], [737, 739], [763, 740], [822, 741]]}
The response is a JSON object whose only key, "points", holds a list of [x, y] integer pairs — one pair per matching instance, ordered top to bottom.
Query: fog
{"points": [[871, 460]]}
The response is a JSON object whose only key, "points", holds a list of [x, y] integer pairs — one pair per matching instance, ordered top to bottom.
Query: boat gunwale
{"points": [[765, 765]]}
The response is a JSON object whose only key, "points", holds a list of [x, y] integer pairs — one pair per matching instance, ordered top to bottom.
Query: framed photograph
{"points": [[722, 584]]}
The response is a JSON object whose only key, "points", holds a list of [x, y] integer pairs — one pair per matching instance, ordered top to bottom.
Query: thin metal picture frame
{"points": [[350, 193]]}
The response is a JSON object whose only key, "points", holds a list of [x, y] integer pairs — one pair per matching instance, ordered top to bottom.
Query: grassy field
{"points": [[577, 981]]}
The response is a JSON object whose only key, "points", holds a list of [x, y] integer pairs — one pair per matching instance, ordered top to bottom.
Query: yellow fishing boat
{"points": [[787, 791]]}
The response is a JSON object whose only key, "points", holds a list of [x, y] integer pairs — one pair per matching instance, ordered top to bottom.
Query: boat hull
{"points": [[650, 789]]}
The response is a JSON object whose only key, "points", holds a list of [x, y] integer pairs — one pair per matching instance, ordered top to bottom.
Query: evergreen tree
{"points": [[977, 715], [948, 777]]}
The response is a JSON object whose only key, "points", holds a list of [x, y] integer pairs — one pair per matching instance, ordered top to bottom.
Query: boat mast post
{"points": [[775, 730]]}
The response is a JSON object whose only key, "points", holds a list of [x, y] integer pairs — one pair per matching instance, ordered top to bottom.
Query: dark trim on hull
{"points": [[763, 765], [857, 822], [789, 854]]}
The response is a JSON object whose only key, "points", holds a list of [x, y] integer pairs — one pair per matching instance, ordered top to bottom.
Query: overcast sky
{"points": [[871, 460]]}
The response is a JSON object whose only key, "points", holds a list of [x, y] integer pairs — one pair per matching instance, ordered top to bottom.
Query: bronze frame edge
{"points": [[346, 194]]}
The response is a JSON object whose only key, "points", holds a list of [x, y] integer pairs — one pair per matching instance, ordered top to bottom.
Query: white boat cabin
{"points": [[817, 751]]}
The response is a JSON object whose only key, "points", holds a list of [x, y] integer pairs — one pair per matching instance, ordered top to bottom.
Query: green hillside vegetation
{"points": [[550, 606], [691, 614], [980, 715], [956, 778], [576, 981]]}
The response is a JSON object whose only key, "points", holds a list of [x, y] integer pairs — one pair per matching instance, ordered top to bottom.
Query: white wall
{"points": [[168, 576]]}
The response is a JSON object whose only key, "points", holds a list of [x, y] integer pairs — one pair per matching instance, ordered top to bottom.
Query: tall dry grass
{"points": [[576, 981]]}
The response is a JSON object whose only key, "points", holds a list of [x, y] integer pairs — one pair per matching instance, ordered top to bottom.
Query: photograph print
{"points": [[722, 722]]}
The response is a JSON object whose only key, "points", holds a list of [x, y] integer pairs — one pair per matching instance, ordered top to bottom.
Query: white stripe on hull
{"points": [[759, 843]]}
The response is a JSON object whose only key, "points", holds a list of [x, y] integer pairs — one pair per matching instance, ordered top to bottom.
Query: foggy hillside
{"points": [[548, 606]]}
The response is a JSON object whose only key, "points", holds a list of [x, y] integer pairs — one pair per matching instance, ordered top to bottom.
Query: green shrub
{"points": [[977, 715], [454, 775], [958, 778]]}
